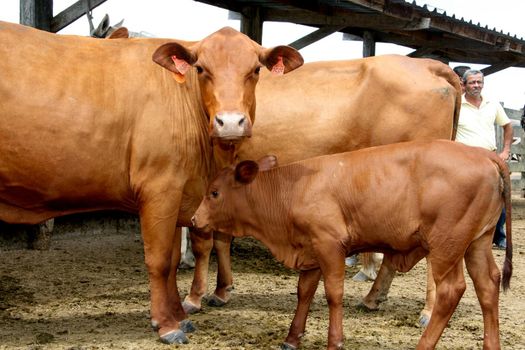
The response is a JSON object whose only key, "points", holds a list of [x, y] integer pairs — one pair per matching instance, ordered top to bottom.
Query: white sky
{"points": [[190, 20]]}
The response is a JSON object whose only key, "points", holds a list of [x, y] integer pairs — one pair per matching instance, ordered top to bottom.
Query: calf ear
{"points": [[175, 58], [281, 59], [267, 162], [246, 171]]}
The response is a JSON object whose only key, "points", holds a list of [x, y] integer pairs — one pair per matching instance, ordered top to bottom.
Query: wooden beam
{"points": [[36, 13], [72, 13], [252, 23], [315, 36], [369, 44], [421, 52], [497, 67]]}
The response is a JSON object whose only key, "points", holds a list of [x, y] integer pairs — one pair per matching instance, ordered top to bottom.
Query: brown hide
{"points": [[339, 106], [88, 124], [313, 213]]}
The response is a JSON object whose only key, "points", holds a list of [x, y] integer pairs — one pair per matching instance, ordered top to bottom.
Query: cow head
{"points": [[227, 63], [220, 208]]}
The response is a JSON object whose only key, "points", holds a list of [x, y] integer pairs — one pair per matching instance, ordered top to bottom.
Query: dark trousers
{"points": [[499, 235]]}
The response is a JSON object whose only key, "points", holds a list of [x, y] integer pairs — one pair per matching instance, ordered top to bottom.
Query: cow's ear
{"points": [[120, 33], [175, 58], [281, 59], [267, 162], [246, 171]]}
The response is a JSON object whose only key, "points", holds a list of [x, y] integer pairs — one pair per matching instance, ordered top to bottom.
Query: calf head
{"points": [[227, 63], [223, 205]]}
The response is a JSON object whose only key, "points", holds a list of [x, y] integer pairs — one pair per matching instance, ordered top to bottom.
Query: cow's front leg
{"points": [[158, 219], [202, 244], [306, 288], [221, 295]]}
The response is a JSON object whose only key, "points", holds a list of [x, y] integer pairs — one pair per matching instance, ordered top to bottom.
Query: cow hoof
{"points": [[361, 277], [215, 301], [363, 307], [190, 308], [423, 321], [154, 325], [187, 326], [174, 337], [286, 346]]}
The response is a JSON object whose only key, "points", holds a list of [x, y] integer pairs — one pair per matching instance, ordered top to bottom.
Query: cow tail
{"points": [[456, 84], [507, 264]]}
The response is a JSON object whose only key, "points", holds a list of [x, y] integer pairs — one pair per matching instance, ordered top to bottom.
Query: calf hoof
{"points": [[215, 301], [363, 307], [190, 308], [423, 321], [154, 325], [187, 326], [174, 337], [286, 346]]}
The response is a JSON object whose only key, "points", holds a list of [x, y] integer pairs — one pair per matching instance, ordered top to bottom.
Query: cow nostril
{"points": [[219, 121], [241, 122]]}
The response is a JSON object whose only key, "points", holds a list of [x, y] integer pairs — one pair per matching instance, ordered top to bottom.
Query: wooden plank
{"points": [[36, 13], [72, 13], [252, 23], [315, 36], [369, 44], [497, 67]]}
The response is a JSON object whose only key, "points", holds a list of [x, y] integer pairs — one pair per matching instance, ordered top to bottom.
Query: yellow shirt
{"points": [[476, 126]]}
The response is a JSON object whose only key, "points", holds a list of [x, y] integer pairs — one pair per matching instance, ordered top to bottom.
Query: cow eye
{"points": [[199, 69], [257, 70], [214, 194]]}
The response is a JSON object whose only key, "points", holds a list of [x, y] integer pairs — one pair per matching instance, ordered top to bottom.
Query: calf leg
{"points": [[202, 244], [486, 278], [450, 286], [306, 288], [221, 295], [424, 315]]}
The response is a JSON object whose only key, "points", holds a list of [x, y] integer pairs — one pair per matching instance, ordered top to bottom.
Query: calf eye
{"points": [[199, 69], [257, 70], [214, 194]]}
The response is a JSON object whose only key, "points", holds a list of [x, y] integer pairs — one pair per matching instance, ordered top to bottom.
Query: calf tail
{"points": [[507, 264]]}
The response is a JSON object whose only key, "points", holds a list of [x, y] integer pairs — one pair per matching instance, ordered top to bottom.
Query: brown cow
{"points": [[338, 106], [91, 124], [313, 213]]}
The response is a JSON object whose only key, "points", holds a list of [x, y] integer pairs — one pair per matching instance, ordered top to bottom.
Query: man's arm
{"points": [[507, 140]]}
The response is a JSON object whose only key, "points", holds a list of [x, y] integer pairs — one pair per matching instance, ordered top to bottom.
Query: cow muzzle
{"points": [[231, 126], [199, 226]]}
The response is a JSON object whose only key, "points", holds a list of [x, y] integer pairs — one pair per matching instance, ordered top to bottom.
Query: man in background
{"points": [[476, 128]]}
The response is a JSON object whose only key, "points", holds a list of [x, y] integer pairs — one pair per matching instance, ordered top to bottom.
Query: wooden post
{"points": [[36, 13], [252, 23], [369, 44]]}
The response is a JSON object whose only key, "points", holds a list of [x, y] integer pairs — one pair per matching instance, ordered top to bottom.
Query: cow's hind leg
{"points": [[486, 278], [450, 286], [306, 288], [379, 290], [426, 313]]}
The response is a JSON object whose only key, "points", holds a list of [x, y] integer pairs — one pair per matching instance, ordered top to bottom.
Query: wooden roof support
{"points": [[36, 13], [39, 13], [252, 23], [315, 36], [369, 44], [497, 67]]}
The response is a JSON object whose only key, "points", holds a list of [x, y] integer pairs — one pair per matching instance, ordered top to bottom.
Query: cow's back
{"points": [[338, 106], [84, 122]]}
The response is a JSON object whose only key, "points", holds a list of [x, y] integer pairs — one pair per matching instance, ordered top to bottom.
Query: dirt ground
{"points": [[90, 291]]}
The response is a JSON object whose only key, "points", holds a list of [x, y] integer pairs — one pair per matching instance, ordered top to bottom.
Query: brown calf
{"points": [[313, 213]]}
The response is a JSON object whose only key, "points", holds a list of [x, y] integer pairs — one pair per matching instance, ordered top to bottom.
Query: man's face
{"points": [[474, 85]]}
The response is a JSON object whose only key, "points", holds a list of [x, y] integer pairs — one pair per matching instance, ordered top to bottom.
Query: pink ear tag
{"points": [[181, 65], [278, 68]]}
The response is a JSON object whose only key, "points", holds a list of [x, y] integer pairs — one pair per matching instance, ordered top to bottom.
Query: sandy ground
{"points": [[90, 291]]}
